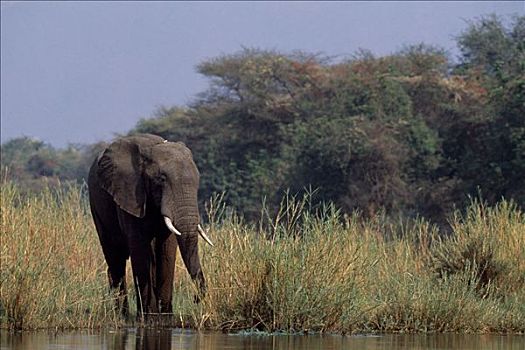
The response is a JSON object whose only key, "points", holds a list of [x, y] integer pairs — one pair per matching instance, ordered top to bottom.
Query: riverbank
{"points": [[313, 271]]}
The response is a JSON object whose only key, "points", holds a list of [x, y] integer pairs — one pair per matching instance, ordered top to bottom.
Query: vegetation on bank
{"points": [[413, 133], [387, 140], [308, 268]]}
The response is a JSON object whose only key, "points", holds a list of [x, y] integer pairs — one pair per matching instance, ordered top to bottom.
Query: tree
{"points": [[494, 54]]}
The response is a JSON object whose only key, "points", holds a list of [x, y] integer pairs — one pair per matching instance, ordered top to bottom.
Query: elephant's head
{"points": [[146, 170]]}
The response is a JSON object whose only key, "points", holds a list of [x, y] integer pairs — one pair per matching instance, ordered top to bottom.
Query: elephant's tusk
{"points": [[170, 226], [203, 235]]}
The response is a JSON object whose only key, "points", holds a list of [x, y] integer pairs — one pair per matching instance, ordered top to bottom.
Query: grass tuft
{"points": [[303, 269], [52, 274]]}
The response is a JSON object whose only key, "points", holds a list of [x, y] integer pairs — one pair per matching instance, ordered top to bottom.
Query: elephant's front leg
{"points": [[114, 247], [189, 250], [165, 252], [142, 262], [143, 265], [117, 281]]}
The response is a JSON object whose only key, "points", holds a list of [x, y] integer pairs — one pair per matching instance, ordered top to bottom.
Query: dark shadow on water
{"points": [[177, 339]]}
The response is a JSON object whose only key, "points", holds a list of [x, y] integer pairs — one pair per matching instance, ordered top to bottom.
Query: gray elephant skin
{"points": [[143, 198]]}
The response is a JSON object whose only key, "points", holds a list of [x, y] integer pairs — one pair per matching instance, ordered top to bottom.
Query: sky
{"points": [[81, 72]]}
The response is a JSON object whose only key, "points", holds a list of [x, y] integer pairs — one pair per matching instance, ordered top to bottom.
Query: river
{"points": [[177, 339]]}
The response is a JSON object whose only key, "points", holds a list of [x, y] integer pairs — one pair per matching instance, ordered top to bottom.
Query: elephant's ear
{"points": [[120, 174]]}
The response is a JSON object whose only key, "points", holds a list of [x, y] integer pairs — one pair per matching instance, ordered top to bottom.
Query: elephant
{"points": [[143, 199]]}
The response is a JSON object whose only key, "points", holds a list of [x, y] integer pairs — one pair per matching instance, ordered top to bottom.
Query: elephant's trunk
{"points": [[181, 213], [186, 216], [173, 229]]}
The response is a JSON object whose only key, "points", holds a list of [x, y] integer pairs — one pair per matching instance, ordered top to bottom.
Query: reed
{"points": [[303, 269], [52, 273]]}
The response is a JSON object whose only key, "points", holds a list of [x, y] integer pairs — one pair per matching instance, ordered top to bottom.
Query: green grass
{"points": [[299, 270]]}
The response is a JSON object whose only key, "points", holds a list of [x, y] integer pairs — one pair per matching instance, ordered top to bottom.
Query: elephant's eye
{"points": [[161, 179]]}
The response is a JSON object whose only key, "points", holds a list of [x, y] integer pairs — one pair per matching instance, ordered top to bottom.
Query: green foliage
{"points": [[489, 44], [494, 54], [397, 132], [411, 133], [36, 164]]}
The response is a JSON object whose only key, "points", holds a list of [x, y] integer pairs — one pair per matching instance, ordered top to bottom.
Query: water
{"points": [[176, 339]]}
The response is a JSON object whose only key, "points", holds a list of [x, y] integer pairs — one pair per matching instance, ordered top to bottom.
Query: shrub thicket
{"points": [[409, 133], [412, 133]]}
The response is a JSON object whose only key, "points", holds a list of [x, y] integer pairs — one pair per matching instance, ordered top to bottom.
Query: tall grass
{"points": [[302, 269], [52, 272]]}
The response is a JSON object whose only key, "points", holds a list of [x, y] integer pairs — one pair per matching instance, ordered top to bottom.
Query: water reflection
{"points": [[176, 339]]}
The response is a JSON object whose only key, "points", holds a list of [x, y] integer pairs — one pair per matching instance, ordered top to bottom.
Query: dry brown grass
{"points": [[299, 271]]}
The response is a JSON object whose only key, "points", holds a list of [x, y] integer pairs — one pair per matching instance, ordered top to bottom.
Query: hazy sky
{"points": [[78, 72]]}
